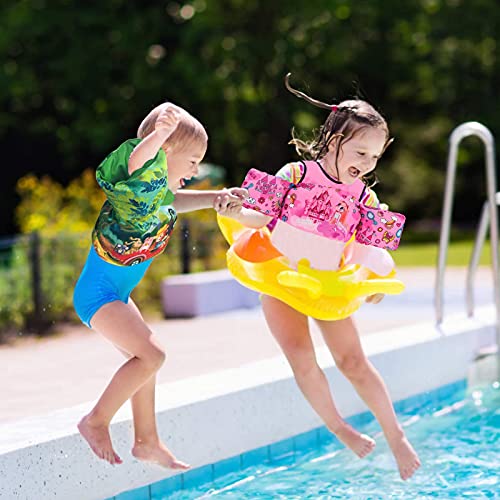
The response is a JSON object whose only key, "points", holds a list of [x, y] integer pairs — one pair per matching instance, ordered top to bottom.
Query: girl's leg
{"points": [[124, 328], [291, 331], [343, 342], [147, 443]]}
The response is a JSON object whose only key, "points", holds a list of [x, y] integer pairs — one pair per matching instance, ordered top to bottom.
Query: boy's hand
{"points": [[169, 118], [238, 192], [229, 201], [375, 298]]}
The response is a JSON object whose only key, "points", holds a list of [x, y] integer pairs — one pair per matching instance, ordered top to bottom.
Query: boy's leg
{"points": [[121, 326], [291, 330], [343, 342], [147, 443]]}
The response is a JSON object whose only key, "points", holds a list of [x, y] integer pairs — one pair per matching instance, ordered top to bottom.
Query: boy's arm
{"points": [[148, 148], [190, 199]]}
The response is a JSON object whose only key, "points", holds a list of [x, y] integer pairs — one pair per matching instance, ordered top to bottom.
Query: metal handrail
{"points": [[461, 132], [482, 231]]}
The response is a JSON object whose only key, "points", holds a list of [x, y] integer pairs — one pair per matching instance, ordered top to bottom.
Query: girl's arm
{"points": [[148, 148], [190, 199], [252, 219]]}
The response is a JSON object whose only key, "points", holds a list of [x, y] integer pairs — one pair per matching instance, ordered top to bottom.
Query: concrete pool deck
{"points": [[43, 375], [230, 395]]}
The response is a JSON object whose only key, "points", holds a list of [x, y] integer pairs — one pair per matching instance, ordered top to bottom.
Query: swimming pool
{"points": [[457, 436]]}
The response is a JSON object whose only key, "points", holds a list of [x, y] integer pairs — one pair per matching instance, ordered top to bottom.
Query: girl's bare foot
{"points": [[97, 436], [361, 444], [157, 453], [406, 457]]}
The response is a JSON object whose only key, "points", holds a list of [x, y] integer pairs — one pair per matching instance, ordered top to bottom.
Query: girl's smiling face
{"points": [[357, 156]]}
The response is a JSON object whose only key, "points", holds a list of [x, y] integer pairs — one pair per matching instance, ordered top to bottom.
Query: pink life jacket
{"points": [[318, 215]]}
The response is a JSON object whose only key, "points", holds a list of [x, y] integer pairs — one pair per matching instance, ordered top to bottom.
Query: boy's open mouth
{"points": [[184, 180]]}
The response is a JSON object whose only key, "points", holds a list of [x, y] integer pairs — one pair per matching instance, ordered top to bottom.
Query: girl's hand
{"points": [[169, 118], [229, 202], [375, 298]]}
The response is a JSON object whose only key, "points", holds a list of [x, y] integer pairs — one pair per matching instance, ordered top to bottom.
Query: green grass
{"points": [[426, 254]]}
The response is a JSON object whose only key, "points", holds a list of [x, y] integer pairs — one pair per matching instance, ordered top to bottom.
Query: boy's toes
{"points": [[109, 457], [177, 464]]}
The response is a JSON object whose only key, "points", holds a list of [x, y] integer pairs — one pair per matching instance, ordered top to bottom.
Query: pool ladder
{"points": [[489, 217]]}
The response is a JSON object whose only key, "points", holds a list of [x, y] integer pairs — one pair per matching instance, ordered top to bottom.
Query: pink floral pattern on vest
{"points": [[328, 211]]}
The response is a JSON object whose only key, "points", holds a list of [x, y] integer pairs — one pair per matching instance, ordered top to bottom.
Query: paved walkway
{"points": [[39, 376]]}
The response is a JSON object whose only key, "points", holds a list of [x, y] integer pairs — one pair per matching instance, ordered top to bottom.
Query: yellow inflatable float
{"points": [[327, 295]]}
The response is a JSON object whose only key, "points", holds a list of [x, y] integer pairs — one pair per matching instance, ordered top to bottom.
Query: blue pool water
{"points": [[458, 441]]}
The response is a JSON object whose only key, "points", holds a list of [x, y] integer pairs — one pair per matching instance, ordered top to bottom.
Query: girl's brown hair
{"points": [[344, 121], [189, 132]]}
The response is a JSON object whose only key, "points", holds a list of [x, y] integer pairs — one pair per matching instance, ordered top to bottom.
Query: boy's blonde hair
{"points": [[189, 133]]}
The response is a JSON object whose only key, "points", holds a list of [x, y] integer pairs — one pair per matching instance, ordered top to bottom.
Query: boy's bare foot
{"points": [[97, 436], [361, 444], [157, 453], [406, 457]]}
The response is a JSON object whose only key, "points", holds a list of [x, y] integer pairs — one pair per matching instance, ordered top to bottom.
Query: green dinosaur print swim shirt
{"points": [[137, 219]]}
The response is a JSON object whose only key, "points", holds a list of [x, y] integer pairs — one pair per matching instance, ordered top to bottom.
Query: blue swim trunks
{"points": [[102, 282]]}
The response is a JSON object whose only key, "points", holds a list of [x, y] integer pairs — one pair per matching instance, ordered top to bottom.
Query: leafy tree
{"points": [[77, 78]]}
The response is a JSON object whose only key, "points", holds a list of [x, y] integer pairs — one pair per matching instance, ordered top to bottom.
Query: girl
{"points": [[346, 151], [134, 226]]}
